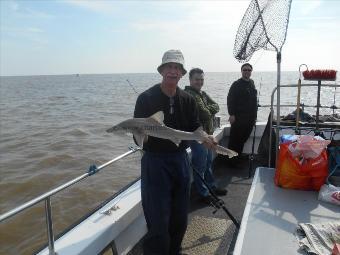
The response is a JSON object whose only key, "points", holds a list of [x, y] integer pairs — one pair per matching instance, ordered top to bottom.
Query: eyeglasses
{"points": [[246, 70], [172, 102]]}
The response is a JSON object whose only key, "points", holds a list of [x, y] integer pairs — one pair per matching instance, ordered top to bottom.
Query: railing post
{"points": [[318, 108], [49, 225]]}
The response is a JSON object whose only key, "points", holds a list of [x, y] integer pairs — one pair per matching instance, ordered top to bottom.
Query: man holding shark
{"points": [[165, 122], [165, 177]]}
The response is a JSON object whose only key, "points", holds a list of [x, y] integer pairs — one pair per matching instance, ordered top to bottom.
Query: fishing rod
{"points": [[132, 86], [217, 203]]}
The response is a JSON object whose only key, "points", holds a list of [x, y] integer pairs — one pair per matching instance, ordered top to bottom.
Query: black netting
{"points": [[263, 26]]}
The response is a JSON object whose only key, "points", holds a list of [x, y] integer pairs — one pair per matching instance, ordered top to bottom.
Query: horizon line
{"points": [[79, 74]]}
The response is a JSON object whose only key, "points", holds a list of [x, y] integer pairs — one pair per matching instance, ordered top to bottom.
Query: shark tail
{"points": [[225, 151]]}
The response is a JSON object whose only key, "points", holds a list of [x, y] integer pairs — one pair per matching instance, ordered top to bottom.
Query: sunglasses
{"points": [[246, 70]]}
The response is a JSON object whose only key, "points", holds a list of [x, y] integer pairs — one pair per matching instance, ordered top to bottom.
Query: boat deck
{"points": [[277, 212], [214, 233]]}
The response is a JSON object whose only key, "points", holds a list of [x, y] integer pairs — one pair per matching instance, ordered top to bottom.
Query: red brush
{"points": [[329, 75]]}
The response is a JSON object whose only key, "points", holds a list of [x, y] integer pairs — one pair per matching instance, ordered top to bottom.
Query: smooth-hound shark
{"points": [[154, 126]]}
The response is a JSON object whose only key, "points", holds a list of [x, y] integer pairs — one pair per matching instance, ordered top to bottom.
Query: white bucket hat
{"points": [[173, 56]]}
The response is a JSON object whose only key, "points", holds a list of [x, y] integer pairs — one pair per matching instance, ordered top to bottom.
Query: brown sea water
{"points": [[52, 128]]}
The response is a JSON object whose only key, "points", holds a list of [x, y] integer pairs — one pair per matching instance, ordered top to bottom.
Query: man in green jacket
{"points": [[201, 156]]}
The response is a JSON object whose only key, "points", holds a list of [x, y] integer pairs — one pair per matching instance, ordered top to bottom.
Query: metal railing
{"points": [[318, 105], [47, 198]]}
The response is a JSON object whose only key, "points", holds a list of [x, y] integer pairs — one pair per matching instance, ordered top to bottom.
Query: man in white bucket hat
{"points": [[172, 56], [165, 177]]}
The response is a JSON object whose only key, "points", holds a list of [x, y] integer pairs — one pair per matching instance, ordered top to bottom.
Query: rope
{"points": [[93, 170]]}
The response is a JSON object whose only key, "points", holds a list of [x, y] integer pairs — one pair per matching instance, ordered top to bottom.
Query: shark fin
{"points": [[158, 116], [200, 131], [139, 138], [175, 141]]}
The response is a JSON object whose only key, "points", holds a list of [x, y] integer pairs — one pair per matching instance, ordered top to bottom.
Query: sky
{"points": [[95, 37]]}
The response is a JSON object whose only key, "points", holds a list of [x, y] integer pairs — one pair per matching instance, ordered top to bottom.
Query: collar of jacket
{"points": [[193, 90]]}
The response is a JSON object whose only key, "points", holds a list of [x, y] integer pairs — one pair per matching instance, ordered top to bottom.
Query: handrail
{"points": [[310, 85], [302, 105], [278, 117], [61, 187], [46, 196]]}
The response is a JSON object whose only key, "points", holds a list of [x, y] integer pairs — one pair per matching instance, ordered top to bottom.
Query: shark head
{"points": [[153, 126], [129, 127], [115, 129]]}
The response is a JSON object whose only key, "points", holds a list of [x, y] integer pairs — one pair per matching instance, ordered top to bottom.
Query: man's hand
{"points": [[232, 119], [210, 142]]}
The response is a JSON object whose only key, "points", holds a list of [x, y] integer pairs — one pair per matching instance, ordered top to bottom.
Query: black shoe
{"points": [[220, 191], [207, 200]]}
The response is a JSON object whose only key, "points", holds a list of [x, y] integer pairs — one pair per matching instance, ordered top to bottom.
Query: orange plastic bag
{"points": [[294, 173]]}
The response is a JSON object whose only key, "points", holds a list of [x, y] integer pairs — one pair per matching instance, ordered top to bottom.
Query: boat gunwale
{"points": [[89, 214]]}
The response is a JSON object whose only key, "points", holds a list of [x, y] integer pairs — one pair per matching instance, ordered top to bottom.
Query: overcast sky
{"points": [[76, 36]]}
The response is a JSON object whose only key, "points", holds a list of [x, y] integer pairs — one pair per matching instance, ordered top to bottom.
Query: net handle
{"points": [[264, 27]]}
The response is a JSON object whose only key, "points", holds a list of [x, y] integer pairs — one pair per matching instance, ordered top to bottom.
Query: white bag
{"points": [[308, 146], [330, 193]]}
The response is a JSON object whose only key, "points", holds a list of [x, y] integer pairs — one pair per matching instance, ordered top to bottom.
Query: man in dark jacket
{"points": [[242, 109], [201, 157], [165, 176]]}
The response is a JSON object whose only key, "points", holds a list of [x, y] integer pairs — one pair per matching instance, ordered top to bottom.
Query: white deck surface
{"points": [[272, 215]]}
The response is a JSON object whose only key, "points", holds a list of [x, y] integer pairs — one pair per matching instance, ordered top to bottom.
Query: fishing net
{"points": [[264, 26]]}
